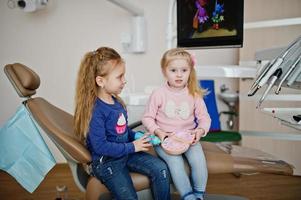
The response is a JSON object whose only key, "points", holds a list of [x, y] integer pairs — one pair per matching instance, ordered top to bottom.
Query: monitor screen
{"points": [[209, 23]]}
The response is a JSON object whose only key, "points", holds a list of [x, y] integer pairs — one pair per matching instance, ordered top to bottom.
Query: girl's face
{"points": [[177, 73], [114, 82]]}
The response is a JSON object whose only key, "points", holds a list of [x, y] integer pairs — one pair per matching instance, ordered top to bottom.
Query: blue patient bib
{"points": [[23, 152]]}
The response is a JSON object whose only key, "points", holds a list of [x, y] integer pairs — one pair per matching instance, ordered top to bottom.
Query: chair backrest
{"points": [[211, 104], [57, 123]]}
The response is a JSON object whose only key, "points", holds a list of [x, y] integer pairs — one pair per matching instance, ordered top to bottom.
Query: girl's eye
{"points": [[173, 70], [184, 70]]}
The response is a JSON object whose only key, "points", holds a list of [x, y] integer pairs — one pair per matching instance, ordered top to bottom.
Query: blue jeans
{"points": [[114, 174], [199, 174]]}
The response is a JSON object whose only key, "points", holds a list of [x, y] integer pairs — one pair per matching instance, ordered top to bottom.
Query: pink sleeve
{"points": [[150, 113], [202, 115]]}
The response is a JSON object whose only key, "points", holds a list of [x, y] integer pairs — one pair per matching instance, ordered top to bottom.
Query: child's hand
{"points": [[198, 132], [142, 144]]}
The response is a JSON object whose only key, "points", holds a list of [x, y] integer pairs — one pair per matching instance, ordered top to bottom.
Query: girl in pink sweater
{"points": [[179, 106]]}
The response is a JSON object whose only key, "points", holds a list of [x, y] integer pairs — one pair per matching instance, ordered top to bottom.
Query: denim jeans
{"points": [[114, 174], [199, 174]]}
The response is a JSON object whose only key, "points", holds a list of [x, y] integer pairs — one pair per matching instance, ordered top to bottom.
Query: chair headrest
{"points": [[24, 80]]}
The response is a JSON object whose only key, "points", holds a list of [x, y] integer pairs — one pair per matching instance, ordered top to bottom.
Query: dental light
{"points": [[134, 42]]}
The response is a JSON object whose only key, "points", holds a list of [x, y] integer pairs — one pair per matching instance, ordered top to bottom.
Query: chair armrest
{"points": [[135, 124]]}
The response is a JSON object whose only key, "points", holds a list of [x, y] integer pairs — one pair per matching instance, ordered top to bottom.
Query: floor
{"points": [[253, 187]]}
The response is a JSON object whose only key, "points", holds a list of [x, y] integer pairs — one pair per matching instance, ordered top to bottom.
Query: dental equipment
{"points": [[134, 42], [271, 68], [291, 69], [283, 71], [293, 77], [271, 83], [254, 87], [297, 118]]}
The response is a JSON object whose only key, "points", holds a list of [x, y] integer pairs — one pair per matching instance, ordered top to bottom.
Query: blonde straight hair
{"points": [[178, 53], [96, 63]]}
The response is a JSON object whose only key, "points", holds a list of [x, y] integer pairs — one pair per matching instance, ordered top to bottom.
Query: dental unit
{"points": [[270, 68], [283, 71]]}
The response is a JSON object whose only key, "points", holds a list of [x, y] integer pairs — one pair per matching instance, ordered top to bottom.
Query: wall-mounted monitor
{"points": [[210, 23]]}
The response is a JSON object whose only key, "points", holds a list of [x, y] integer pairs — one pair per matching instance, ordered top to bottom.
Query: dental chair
{"points": [[58, 126]]}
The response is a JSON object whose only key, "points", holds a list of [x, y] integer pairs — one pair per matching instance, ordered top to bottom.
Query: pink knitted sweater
{"points": [[173, 111]]}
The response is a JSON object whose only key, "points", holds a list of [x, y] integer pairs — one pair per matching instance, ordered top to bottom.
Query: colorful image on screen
{"points": [[209, 22]]}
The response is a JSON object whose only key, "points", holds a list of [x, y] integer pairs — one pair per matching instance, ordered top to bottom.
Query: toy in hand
{"points": [[154, 140], [177, 143]]}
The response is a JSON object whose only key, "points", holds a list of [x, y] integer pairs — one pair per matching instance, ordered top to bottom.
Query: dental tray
{"points": [[288, 116]]}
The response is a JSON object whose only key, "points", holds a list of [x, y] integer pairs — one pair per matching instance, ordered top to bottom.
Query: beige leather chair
{"points": [[58, 125]]}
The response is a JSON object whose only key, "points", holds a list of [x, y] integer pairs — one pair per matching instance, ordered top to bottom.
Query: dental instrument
{"points": [[271, 68], [291, 69], [296, 74], [271, 83], [254, 87]]}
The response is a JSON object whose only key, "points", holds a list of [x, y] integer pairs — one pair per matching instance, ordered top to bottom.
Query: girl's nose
{"points": [[179, 73], [123, 80]]}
